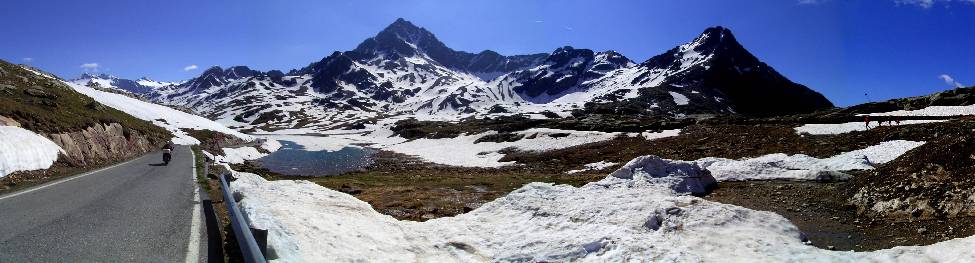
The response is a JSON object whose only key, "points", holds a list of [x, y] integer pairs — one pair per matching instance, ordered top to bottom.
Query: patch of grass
{"points": [[200, 160], [422, 191]]}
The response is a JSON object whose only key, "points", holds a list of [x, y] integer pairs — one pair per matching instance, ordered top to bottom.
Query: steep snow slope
{"points": [[168, 118], [23, 150], [633, 215]]}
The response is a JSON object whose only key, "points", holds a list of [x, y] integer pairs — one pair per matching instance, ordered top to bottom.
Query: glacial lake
{"points": [[294, 159]]}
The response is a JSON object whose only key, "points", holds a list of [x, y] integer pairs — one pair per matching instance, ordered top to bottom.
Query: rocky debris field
{"points": [[827, 218]]}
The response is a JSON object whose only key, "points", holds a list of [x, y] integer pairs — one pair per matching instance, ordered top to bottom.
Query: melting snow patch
{"points": [[679, 99], [932, 111], [839, 128], [660, 134], [329, 143], [24, 150], [463, 151], [239, 155], [593, 167], [804, 167], [640, 213]]}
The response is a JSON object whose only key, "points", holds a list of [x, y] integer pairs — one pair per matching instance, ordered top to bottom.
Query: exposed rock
{"points": [[4, 121], [101, 143]]}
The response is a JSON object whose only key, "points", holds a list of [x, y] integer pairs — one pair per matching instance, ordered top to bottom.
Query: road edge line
{"points": [[49, 184], [193, 248]]}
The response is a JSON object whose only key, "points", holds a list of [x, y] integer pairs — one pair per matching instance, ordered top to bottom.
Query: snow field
{"points": [[931, 111], [162, 116], [839, 128], [24, 150], [463, 151], [238, 155], [804, 167], [637, 214]]}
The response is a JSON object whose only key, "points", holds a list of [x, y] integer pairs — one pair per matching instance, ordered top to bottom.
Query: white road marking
{"points": [[64, 180], [193, 249]]}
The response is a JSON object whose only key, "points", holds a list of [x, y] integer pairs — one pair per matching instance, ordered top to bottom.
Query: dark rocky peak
{"points": [[715, 38], [404, 39], [714, 43], [565, 55], [572, 57], [613, 57], [235, 72], [240, 72], [215, 76]]}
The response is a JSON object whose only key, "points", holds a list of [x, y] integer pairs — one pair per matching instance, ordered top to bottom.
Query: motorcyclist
{"points": [[167, 152]]}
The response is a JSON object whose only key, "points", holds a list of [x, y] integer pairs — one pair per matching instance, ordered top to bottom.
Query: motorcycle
{"points": [[167, 156]]}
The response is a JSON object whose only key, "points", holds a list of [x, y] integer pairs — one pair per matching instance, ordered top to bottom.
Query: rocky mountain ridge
{"points": [[405, 69]]}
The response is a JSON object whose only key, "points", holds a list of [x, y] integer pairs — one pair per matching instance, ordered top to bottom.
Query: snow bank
{"points": [[679, 99], [932, 111], [162, 116], [838, 128], [660, 134], [312, 143], [271, 145], [24, 150], [463, 151], [238, 155], [596, 166], [804, 167], [683, 177], [635, 215]]}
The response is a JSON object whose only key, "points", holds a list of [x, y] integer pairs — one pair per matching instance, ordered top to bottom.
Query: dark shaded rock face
{"points": [[404, 39], [564, 69], [216, 76], [726, 78]]}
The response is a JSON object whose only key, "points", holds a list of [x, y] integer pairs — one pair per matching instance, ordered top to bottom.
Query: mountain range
{"points": [[405, 69]]}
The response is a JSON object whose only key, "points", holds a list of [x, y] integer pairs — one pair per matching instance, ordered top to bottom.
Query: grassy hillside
{"points": [[46, 105]]}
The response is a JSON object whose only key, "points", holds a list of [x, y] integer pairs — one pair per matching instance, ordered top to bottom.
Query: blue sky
{"points": [[842, 48]]}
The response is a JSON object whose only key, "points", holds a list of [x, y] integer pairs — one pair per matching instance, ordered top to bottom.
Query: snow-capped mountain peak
{"points": [[405, 69], [141, 86]]}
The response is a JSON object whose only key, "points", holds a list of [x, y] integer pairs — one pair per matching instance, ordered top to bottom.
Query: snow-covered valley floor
{"points": [[641, 212], [636, 218]]}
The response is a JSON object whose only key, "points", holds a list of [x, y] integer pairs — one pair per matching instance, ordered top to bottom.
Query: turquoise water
{"points": [[293, 159]]}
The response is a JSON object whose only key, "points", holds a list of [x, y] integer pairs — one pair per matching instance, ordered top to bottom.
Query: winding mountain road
{"points": [[136, 211]]}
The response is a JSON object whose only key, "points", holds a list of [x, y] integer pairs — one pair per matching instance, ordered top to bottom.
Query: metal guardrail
{"points": [[249, 247]]}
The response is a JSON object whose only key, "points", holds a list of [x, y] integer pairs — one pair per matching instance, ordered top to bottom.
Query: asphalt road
{"points": [[137, 211]]}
